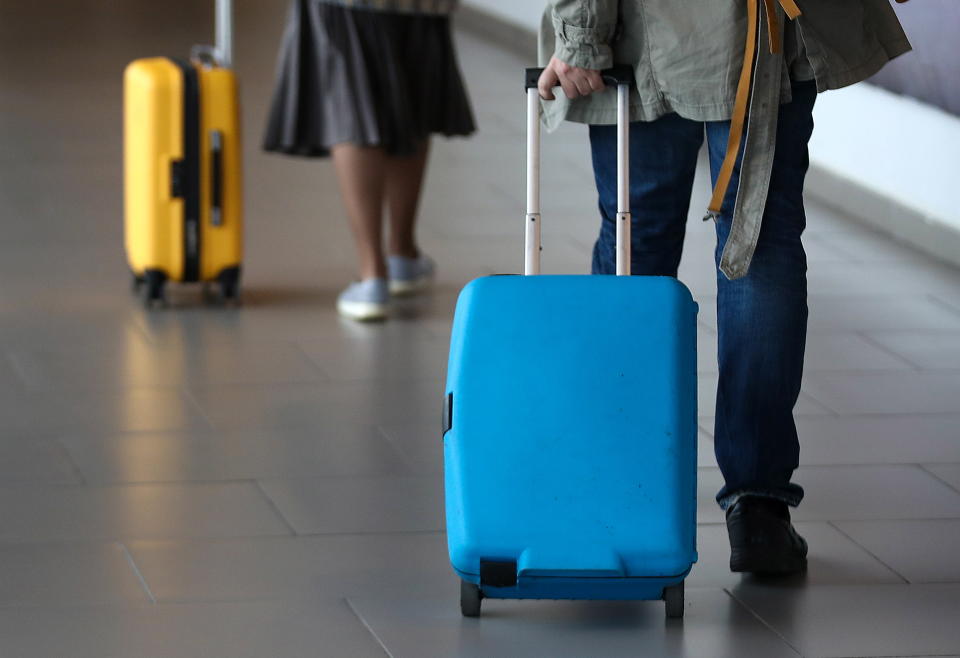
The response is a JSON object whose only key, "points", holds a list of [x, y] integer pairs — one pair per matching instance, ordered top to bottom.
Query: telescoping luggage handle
{"points": [[225, 33], [222, 53], [622, 78]]}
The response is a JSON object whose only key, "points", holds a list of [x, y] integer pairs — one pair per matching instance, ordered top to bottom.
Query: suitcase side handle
{"points": [[622, 78], [216, 146]]}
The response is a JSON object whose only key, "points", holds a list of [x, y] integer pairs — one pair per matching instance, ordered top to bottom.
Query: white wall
{"points": [[523, 13], [887, 159], [892, 161]]}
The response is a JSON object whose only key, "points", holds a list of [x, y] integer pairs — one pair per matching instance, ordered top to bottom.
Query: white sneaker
{"points": [[408, 276], [365, 300]]}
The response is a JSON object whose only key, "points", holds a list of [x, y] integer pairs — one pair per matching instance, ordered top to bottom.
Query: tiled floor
{"points": [[266, 481]]}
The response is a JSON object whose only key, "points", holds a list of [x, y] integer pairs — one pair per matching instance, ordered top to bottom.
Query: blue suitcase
{"points": [[570, 425]]}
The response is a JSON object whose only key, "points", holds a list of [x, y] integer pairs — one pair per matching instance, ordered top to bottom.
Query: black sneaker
{"points": [[762, 539]]}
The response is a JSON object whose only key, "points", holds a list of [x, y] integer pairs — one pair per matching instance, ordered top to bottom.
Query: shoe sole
{"points": [[406, 288], [362, 311], [763, 563]]}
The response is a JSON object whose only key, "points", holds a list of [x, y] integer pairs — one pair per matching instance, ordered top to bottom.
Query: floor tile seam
{"points": [[844, 255], [934, 265], [913, 293], [814, 297], [943, 303], [818, 329], [142, 330], [935, 331], [865, 336], [309, 359], [907, 367], [948, 371], [889, 372], [389, 379], [22, 381], [192, 388], [61, 389], [187, 394], [827, 410], [916, 411], [879, 414], [357, 418], [201, 434], [64, 449], [408, 461], [876, 464], [861, 465], [921, 465], [925, 469], [407, 470], [340, 478], [196, 484], [272, 505], [878, 519], [873, 522], [717, 525], [835, 526], [372, 533], [53, 539], [204, 541], [65, 544], [132, 563], [828, 587], [217, 600], [173, 602], [61, 606], [756, 615], [369, 627], [900, 655]]}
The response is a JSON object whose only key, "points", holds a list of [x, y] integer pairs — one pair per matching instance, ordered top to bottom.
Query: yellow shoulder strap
{"points": [[741, 103]]}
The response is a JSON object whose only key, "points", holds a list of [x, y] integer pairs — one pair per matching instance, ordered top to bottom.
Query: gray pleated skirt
{"points": [[364, 77]]}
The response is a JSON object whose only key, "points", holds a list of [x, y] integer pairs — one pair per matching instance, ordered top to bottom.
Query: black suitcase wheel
{"points": [[229, 280], [154, 281], [136, 282], [470, 598], [673, 598]]}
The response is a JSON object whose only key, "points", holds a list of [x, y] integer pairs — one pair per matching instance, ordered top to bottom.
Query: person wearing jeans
{"points": [[744, 76]]}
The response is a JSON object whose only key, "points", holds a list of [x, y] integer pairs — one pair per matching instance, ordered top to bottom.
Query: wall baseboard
{"points": [[868, 206]]}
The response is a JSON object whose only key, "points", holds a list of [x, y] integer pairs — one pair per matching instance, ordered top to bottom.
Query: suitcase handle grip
{"points": [[612, 77], [622, 78], [216, 211]]}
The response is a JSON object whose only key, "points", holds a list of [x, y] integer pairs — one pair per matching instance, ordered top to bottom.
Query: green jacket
{"points": [[687, 58]]}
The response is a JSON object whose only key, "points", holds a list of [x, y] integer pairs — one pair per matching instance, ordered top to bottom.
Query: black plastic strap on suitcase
{"points": [[216, 154], [189, 170], [447, 413], [498, 573]]}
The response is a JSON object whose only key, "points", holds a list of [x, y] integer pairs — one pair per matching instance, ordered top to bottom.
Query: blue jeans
{"points": [[761, 318]]}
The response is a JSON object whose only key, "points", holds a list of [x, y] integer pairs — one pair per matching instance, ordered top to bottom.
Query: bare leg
{"points": [[362, 174], [404, 183]]}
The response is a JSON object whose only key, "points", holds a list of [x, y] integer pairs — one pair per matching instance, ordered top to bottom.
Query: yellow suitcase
{"points": [[182, 160]]}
